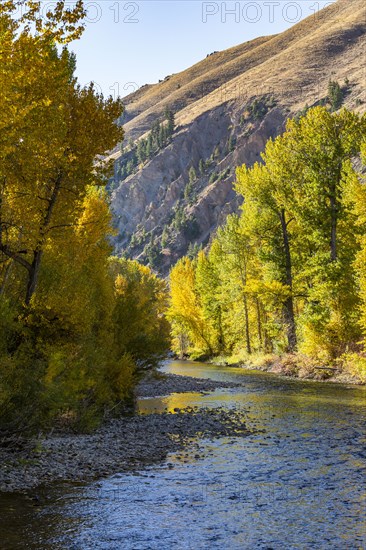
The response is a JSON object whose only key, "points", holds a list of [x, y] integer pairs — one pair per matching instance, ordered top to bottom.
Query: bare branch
{"points": [[15, 256]]}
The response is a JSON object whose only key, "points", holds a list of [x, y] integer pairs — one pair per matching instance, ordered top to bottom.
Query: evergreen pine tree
{"points": [[335, 95], [169, 115], [149, 146], [141, 151], [192, 174], [164, 237]]}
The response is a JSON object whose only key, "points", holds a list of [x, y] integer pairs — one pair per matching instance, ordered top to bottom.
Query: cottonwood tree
{"points": [[51, 133]]}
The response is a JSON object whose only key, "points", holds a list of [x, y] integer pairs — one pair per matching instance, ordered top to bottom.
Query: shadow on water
{"points": [[296, 482]]}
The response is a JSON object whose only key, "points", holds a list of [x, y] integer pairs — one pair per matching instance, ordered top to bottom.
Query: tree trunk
{"points": [[334, 220], [38, 252], [33, 276], [288, 306], [288, 313], [259, 322], [247, 332], [221, 333], [268, 344], [182, 345]]}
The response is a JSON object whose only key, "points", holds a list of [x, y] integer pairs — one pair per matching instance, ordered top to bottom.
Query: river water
{"points": [[298, 482]]}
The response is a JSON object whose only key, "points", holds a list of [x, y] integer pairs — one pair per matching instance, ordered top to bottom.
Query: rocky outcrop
{"points": [[145, 203]]}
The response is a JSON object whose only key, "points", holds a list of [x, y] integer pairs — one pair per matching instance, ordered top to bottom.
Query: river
{"points": [[297, 482]]}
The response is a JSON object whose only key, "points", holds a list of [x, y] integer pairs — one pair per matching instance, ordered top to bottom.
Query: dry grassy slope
{"points": [[296, 65], [183, 88]]}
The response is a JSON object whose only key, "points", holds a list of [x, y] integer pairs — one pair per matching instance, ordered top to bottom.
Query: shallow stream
{"points": [[298, 482]]}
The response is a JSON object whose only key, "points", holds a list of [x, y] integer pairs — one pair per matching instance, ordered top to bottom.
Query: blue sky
{"points": [[129, 43]]}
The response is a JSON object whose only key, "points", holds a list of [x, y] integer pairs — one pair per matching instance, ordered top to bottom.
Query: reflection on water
{"points": [[298, 482]]}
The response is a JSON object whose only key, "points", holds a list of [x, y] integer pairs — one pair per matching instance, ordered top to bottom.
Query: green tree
{"points": [[335, 95], [169, 115], [162, 136], [231, 144], [149, 146], [141, 151], [313, 157], [201, 167], [192, 174], [267, 189], [188, 190], [356, 194], [164, 237], [193, 250], [234, 254], [289, 273]]}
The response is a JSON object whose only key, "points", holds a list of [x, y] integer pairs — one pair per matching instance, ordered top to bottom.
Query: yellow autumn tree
{"points": [[47, 158], [361, 258], [288, 274], [185, 312], [140, 326], [71, 335]]}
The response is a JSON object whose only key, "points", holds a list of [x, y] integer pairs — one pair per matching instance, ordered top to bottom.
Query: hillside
{"points": [[225, 107]]}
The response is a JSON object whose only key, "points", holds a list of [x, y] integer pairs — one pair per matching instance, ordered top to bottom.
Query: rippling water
{"points": [[297, 482]]}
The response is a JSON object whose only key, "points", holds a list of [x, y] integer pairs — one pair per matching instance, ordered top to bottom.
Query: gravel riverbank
{"points": [[296, 367], [158, 385], [123, 444]]}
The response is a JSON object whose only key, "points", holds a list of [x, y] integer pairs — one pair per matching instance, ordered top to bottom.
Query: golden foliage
{"points": [[289, 273], [75, 325]]}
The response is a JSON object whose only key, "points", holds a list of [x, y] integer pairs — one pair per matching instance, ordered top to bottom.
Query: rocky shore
{"points": [[295, 366], [123, 444]]}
